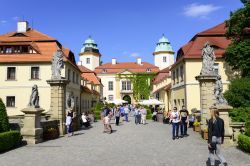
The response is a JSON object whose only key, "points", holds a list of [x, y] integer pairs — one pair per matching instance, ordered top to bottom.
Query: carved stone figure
{"points": [[208, 60], [57, 64], [218, 89], [34, 97], [70, 101]]}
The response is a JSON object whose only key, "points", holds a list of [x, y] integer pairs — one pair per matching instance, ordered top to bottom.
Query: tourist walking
{"points": [[126, 112], [136, 113], [143, 115], [184, 115], [117, 116], [154, 116], [175, 119], [85, 120], [69, 123], [107, 125], [215, 137]]}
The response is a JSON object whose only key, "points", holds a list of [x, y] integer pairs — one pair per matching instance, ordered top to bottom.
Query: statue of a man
{"points": [[208, 60], [57, 64], [218, 89], [34, 97], [70, 102]]}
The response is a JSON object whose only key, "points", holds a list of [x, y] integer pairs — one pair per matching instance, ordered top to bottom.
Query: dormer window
{"points": [[17, 49], [104, 70], [148, 70]]}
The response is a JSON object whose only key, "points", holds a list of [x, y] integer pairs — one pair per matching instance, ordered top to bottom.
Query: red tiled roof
{"points": [[215, 36], [45, 46], [130, 66], [89, 75], [161, 75], [166, 88]]}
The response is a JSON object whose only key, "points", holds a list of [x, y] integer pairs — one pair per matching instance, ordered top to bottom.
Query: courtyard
{"points": [[129, 145]]}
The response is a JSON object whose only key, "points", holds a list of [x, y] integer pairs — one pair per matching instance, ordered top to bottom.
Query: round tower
{"points": [[163, 54], [89, 55]]}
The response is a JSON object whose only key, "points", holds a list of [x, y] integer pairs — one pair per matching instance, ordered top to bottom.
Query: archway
{"points": [[127, 98]]}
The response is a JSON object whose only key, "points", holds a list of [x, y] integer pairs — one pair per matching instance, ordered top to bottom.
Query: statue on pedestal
{"points": [[208, 60], [57, 65], [218, 89], [34, 97], [70, 102]]}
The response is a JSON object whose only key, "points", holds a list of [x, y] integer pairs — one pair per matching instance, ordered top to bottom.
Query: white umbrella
{"points": [[118, 101], [151, 102]]}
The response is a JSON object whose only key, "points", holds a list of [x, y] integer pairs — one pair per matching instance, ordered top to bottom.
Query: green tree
{"points": [[238, 52], [238, 93], [4, 121]]}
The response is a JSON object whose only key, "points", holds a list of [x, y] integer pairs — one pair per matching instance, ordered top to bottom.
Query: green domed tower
{"points": [[89, 54], [163, 54]]}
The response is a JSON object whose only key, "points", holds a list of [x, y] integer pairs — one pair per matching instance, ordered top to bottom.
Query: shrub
{"points": [[238, 93], [98, 109], [240, 114], [4, 121], [197, 123], [247, 128], [51, 133], [9, 140], [244, 142]]}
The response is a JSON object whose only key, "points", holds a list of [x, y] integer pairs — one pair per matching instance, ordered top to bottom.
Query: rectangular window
{"points": [[8, 50], [164, 59], [87, 60], [216, 68], [11, 73], [34, 73], [181, 73], [69, 74], [177, 75], [73, 77], [173, 77], [77, 78], [110, 85], [126, 85], [111, 97], [10, 101]]}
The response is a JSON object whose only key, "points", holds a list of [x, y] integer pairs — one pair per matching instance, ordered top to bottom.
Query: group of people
{"points": [[140, 114], [179, 119], [84, 121]]}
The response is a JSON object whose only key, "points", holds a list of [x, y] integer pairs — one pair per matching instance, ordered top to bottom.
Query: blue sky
{"points": [[123, 29]]}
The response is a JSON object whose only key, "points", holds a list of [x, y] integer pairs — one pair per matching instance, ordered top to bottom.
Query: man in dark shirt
{"points": [[184, 121]]}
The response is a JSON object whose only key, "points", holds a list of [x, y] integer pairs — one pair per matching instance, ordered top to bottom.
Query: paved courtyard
{"points": [[129, 145]]}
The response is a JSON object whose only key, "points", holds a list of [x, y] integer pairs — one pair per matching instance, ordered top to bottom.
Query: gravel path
{"points": [[129, 145]]}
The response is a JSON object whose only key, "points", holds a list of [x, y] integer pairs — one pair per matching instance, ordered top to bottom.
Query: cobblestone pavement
{"points": [[129, 145]]}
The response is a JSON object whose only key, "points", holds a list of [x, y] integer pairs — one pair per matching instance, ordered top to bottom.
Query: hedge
{"points": [[4, 121], [9, 140], [244, 142]]}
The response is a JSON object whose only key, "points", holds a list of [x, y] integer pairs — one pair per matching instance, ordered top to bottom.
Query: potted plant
{"points": [[197, 126], [205, 133]]}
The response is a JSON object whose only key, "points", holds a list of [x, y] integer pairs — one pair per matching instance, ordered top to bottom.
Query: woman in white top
{"points": [[175, 119], [85, 121]]}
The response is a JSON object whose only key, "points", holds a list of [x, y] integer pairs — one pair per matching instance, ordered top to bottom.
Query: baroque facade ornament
{"points": [[208, 60], [57, 64], [218, 89], [34, 97], [70, 101]]}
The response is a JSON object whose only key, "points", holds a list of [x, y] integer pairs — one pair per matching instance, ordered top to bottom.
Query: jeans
{"points": [[126, 117], [117, 119], [136, 119], [183, 127], [175, 129], [217, 153]]}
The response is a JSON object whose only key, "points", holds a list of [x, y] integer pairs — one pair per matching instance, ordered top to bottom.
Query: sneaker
{"points": [[177, 137], [173, 138]]}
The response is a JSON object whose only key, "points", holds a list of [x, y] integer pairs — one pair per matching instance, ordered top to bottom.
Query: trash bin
{"points": [[159, 117]]}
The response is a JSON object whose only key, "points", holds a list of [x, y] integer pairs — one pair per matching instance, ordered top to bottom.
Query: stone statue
{"points": [[208, 60], [57, 64], [218, 89], [34, 97], [70, 101]]}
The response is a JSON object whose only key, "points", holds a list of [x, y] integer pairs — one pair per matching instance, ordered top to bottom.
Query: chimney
{"points": [[22, 26], [113, 61], [139, 61]]}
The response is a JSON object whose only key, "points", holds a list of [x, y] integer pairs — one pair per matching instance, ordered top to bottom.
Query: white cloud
{"points": [[199, 10], [16, 18], [3, 21], [135, 54]]}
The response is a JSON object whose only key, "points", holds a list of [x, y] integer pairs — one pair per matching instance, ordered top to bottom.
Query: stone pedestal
{"points": [[207, 98], [57, 105], [224, 114], [32, 131]]}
